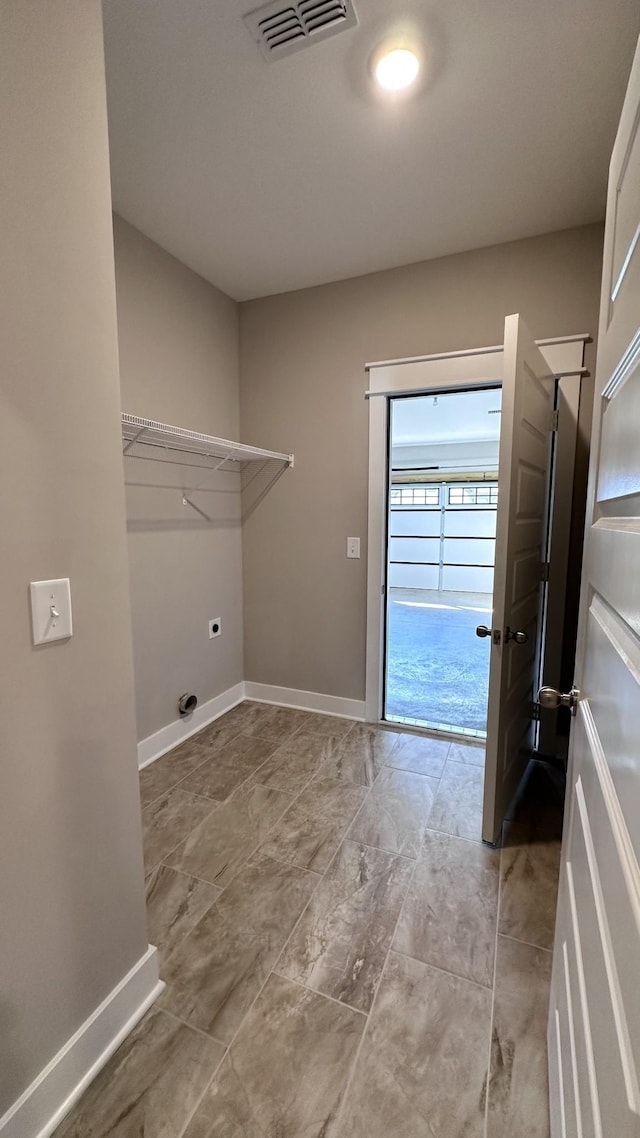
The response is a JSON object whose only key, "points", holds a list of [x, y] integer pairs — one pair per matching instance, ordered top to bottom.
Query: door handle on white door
{"points": [[494, 633], [517, 637], [551, 698]]}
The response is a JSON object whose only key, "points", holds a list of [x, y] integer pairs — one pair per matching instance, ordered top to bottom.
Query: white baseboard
{"points": [[305, 700], [168, 737], [154, 746], [41, 1108]]}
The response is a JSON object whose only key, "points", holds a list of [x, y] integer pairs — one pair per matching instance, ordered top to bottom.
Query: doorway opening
{"points": [[441, 528]]}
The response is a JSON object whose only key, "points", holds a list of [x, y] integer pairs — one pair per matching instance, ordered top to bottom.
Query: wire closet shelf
{"points": [[139, 432]]}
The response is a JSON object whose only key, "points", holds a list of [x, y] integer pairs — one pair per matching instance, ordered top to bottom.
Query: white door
{"points": [[523, 506], [594, 1021]]}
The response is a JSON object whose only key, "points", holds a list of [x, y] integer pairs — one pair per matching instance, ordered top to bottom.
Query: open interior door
{"points": [[523, 506], [594, 1021]]}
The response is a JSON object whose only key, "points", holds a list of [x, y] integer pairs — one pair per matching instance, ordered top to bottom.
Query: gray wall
{"points": [[178, 340], [302, 360], [71, 884]]}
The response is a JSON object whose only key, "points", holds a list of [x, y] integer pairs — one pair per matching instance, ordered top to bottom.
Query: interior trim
{"points": [[305, 700], [156, 745], [57, 1088]]}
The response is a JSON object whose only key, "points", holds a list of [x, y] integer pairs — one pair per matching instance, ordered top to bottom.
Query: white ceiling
{"points": [[269, 177], [462, 416]]}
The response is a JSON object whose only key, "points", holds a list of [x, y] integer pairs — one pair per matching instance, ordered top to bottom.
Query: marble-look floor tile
{"points": [[244, 717], [277, 722], [332, 725], [227, 726], [472, 753], [421, 754], [361, 755], [295, 762], [164, 773], [218, 776], [457, 808], [395, 814], [167, 820], [310, 832], [216, 849], [529, 871], [175, 904], [449, 916], [340, 945], [216, 972], [421, 1072], [286, 1073], [518, 1083], [150, 1086]]}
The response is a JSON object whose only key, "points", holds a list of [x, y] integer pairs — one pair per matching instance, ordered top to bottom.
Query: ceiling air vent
{"points": [[280, 29]]}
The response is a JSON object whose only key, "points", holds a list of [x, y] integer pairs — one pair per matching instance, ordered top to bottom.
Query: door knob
{"points": [[482, 630], [517, 637], [551, 698]]}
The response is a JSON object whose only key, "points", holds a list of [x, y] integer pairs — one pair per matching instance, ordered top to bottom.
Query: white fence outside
{"points": [[443, 536]]}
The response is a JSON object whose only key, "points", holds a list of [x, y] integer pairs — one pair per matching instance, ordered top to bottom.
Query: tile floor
{"points": [[343, 957]]}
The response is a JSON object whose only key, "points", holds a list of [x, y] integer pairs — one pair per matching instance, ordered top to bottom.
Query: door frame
{"points": [[426, 375]]}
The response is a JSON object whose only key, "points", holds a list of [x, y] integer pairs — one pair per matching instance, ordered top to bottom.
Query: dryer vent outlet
{"points": [[187, 703]]}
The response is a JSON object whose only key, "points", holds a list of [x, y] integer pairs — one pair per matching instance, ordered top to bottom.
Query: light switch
{"points": [[353, 547], [51, 610]]}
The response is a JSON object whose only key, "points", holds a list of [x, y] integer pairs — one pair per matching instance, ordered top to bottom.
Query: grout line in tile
{"points": [[388, 766], [173, 786], [293, 800], [288, 806], [458, 837], [476, 841], [377, 849], [380, 849], [163, 859], [247, 859], [288, 864], [194, 877], [321, 877], [529, 943], [446, 971], [315, 992], [493, 1000], [369, 1018], [192, 1026], [217, 1067]]}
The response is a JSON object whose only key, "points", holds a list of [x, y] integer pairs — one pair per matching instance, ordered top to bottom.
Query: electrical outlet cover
{"points": [[215, 627]]}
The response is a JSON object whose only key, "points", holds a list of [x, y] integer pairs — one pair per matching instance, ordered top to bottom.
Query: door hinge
{"points": [[555, 418], [544, 571], [535, 712]]}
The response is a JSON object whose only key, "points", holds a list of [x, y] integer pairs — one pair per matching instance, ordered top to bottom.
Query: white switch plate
{"points": [[353, 547], [51, 610]]}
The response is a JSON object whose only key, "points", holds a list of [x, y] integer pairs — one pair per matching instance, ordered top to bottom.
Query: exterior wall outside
{"points": [[178, 340], [302, 389], [72, 884]]}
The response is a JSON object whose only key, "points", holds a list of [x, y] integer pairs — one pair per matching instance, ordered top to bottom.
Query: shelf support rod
{"points": [[133, 441], [187, 502]]}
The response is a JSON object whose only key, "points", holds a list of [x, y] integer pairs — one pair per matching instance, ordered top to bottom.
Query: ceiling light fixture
{"points": [[397, 69]]}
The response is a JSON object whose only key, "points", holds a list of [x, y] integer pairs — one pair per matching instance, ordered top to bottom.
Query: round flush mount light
{"points": [[397, 69]]}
